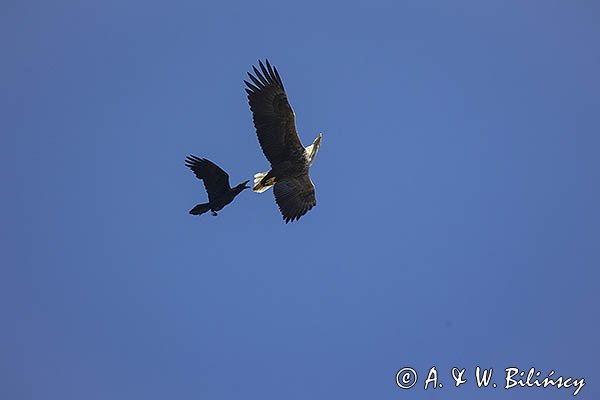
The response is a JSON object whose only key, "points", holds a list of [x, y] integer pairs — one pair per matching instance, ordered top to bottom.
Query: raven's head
{"points": [[243, 185]]}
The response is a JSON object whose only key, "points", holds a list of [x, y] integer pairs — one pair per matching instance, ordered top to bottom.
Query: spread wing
{"points": [[272, 114], [216, 181], [295, 196]]}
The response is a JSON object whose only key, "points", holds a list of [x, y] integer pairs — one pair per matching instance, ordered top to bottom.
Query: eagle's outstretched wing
{"points": [[272, 114], [216, 181], [294, 196]]}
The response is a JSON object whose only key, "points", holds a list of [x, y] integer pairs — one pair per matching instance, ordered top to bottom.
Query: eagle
{"points": [[290, 161], [216, 183]]}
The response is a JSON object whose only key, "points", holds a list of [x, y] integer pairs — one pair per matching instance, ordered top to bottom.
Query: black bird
{"points": [[275, 125], [216, 183]]}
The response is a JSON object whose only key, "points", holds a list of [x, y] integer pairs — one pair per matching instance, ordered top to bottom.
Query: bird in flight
{"points": [[290, 161], [216, 183]]}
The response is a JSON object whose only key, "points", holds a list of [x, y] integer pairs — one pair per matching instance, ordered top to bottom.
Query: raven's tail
{"points": [[261, 184], [200, 209]]}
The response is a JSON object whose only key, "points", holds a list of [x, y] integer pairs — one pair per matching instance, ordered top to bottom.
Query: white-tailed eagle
{"points": [[275, 125]]}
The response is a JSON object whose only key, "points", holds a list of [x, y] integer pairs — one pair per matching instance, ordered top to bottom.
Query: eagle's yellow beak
{"points": [[311, 151]]}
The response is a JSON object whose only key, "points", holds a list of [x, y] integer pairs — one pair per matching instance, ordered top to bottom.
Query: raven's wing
{"points": [[272, 115], [216, 181], [295, 196]]}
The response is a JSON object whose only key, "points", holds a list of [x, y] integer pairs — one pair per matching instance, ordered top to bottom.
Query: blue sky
{"points": [[457, 187]]}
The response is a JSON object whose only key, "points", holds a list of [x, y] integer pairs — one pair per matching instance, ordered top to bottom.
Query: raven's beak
{"points": [[246, 185]]}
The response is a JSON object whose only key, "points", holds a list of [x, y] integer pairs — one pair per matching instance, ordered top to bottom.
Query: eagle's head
{"points": [[313, 149]]}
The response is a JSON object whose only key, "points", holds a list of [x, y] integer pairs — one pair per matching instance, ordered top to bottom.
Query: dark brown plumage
{"points": [[290, 161]]}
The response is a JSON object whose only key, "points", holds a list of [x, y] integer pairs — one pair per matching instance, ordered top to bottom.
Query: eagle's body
{"points": [[275, 125], [216, 183]]}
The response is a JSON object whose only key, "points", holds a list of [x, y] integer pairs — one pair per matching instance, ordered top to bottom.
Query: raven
{"points": [[275, 125], [216, 183]]}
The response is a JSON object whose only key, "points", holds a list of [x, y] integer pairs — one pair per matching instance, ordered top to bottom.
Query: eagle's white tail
{"points": [[261, 187]]}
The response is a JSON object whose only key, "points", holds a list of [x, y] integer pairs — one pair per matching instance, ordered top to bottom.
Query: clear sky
{"points": [[457, 220]]}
